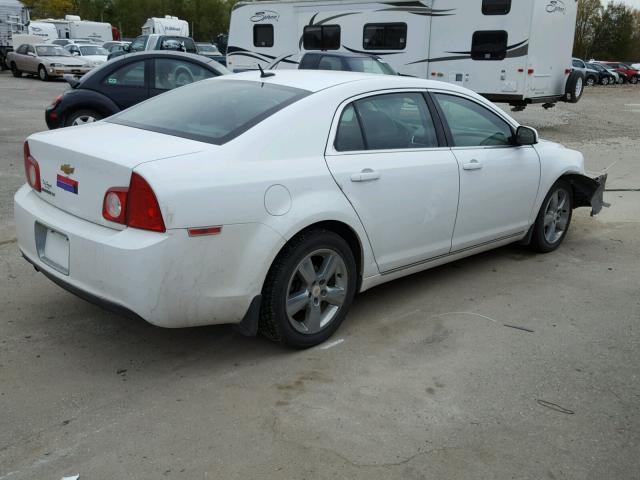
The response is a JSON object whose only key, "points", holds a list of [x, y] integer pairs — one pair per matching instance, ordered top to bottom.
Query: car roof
{"points": [[165, 53], [316, 80]]}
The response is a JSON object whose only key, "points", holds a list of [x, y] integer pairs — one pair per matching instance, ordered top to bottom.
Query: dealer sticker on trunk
{"points": [[68, 184]]}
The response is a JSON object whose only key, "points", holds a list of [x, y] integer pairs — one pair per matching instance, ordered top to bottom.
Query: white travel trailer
{"points": [[14, 18], [166, 26], [73, 27], [44, 30], [512, 51]]}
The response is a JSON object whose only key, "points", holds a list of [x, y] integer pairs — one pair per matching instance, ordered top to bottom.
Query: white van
{"points": [[512, 51]]}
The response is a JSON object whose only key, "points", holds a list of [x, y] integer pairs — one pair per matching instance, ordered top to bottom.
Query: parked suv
{"points": [[155, 41]]}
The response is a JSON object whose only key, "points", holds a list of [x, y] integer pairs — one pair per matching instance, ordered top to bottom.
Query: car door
{"points": [[19, 57], [30, 61], [170, 73], [127, 85], [389, 158], [498, 181]]}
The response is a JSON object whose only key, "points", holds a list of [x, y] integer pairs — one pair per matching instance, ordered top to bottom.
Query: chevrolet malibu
{"points": [[269, 200]]}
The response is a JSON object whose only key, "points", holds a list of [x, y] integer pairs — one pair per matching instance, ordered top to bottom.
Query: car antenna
{"points": [[263, 74]]}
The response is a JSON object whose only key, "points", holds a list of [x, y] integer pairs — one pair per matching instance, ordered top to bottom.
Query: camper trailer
{"points": [[14, 18], [166, 26], [73, 27], [44, 30], [512, 51]]}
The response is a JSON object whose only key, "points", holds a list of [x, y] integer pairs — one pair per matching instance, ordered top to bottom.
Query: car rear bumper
{"points": [[168, 279]]}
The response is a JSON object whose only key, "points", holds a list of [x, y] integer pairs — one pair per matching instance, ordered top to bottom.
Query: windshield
{"points": [[208, 48], [92, 50], [52, 51], [370, 65], [212, 111]]}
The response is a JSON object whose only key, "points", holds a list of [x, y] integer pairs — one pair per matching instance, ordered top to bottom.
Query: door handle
{"points": [[472, 165], [366, 175]]}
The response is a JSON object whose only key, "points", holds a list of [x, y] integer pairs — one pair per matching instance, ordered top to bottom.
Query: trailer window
{"points": [[496, 7], [263, 35], [384, 36], [321, 37], [489, 45]]}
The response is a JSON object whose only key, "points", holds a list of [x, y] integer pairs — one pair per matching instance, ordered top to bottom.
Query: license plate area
{"points": [[53, 248]]}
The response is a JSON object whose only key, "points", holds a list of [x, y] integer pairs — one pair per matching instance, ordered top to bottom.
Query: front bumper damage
{"points": [[589, 192]]}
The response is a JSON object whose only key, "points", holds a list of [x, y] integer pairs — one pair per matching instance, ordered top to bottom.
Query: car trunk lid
{"points": [[79, 164]]}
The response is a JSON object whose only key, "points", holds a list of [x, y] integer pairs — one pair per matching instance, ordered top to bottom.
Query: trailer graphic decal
{"points": [[520, 49]]}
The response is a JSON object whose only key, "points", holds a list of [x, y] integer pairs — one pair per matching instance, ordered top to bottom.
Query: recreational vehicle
{"points": [[14, 18], [166, 26], [73, 27], [43, 30], [512, 51]]}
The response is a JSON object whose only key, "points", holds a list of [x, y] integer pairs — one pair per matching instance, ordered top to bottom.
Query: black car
{"points": [[342, 61], [604, 77], [125, 81]]}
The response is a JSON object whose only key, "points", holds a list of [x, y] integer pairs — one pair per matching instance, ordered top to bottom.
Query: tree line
{"points": [[207, 18], [610, 32]]}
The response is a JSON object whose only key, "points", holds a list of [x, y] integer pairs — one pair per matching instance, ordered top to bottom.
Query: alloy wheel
{"points": [[82, 119], [556, 216], [316, 291]]}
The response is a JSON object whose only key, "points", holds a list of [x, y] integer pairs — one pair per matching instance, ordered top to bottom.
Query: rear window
{"points": [[210, 111]]}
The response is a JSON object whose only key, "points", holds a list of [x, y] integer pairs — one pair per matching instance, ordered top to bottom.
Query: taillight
{"points": [[530, 71], [56, 101], [31, 169], [136, 206], [143, 210]]}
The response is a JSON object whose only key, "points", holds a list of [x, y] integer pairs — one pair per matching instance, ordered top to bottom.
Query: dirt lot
{"points": [[423, 381]]}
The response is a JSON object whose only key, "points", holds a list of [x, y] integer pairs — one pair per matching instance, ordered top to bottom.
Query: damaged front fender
{"points": [[588, 192]]}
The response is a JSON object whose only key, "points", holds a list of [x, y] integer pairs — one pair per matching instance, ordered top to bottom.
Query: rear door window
{"points": [[396, 121], [349, 135]]}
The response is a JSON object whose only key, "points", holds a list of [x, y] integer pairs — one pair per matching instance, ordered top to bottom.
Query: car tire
{"points": [[14, 70], [42, 73], [633, 80], [591, 81], [604, 81], [574, 87], [81, 117], [554, 218], [302, 304]]}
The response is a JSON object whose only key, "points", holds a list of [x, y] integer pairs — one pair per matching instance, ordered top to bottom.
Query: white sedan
{"points": [[270, 201]]}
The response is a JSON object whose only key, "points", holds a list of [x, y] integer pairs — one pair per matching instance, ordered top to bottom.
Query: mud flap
{"points": [[589, 192]]}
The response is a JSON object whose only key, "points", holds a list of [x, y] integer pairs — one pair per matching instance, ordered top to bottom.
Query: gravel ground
{"points": [[425, 380]]}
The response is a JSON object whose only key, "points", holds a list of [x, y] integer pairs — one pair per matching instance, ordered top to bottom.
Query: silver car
{"points": [[46, 61]]}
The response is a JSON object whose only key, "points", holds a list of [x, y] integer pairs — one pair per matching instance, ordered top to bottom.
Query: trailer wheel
{"points": [[14, 70], [575, 87]]}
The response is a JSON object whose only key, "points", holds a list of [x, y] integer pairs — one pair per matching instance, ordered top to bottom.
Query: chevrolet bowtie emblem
{"points": [[68, 169]]}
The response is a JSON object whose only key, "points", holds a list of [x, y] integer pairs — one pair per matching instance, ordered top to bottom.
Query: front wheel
{"points": [[42, 73], [633, 80], [604, 81], [554, 218], [308, 290]]}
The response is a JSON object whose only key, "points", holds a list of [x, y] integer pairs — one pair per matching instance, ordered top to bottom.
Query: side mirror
{"points": [[126, 48], [31, 54], [75, 54], [526, 136]]}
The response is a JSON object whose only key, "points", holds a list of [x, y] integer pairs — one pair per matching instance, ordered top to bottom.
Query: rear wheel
{"points": [[14, 70], [42, 73], [633, 80], [591, 81], [604, 81], [574, 87], [81, 117], [554, 218], [308, 290]]}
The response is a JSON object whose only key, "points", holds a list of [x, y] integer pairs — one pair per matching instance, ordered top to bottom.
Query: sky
{"points": [[631, 3]]}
